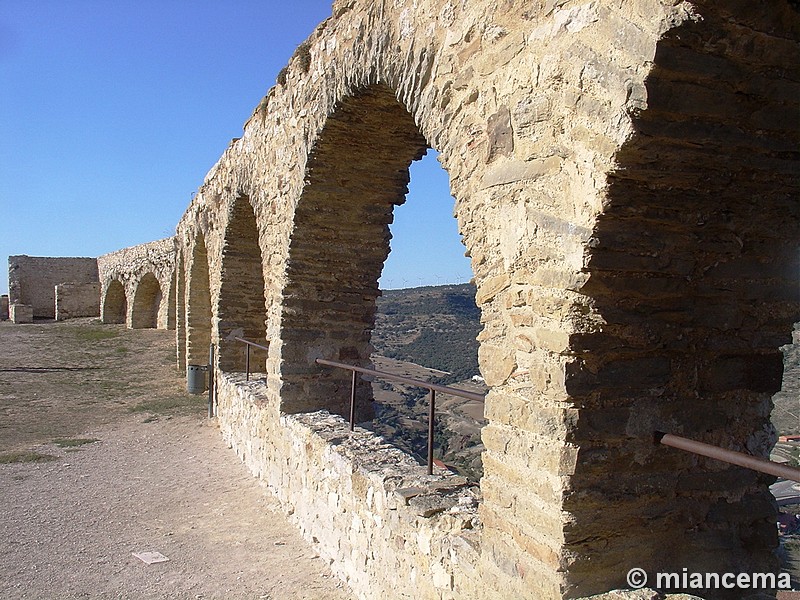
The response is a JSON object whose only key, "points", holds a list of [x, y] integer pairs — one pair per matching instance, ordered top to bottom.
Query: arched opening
{"points": [[356, 174], [693, 281], [146, 303], [115, 304], [242, 308], [198, 309], [180, 311], [427, 323]]}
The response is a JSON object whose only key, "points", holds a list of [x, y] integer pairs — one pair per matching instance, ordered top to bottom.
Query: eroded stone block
{"points": [[21, 313]]}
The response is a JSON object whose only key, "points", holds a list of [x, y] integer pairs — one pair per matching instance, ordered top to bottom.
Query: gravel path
{"points": [[162, 482]]}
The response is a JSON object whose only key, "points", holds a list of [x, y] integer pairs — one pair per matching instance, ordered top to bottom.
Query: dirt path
{"points": [[159, 479]]}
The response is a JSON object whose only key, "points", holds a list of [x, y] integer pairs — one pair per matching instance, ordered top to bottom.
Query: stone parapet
{"points": [[389, 529]]}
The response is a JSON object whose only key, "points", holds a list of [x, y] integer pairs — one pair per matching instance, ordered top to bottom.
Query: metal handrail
{"points": [[248, 343], [432, 387], [729, 456], [741, 459]]}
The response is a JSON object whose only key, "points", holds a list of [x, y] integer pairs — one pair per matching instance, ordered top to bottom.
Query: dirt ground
{"points": [[103, 454]]}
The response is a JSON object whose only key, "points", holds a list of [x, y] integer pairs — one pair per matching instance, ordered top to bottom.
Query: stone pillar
{"points": [[4, 307], [21, 313]]}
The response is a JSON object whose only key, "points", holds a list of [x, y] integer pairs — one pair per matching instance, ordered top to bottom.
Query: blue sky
{"points": [[112, 112]]}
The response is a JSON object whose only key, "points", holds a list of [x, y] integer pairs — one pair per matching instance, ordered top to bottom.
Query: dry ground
{"points": [[103, 454]]}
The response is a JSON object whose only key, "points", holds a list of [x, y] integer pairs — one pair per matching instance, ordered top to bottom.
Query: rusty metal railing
{"points": [[247, 344], [431, 387], [667, 439], [729, 456]]}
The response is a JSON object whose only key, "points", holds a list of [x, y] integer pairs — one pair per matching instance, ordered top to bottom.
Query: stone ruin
{"points": [[626, 184], [33, 283], [138, 285], [134, 286]]}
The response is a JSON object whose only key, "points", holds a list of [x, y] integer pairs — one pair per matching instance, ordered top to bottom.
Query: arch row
{"points": [[626, 256], [138, 286]]}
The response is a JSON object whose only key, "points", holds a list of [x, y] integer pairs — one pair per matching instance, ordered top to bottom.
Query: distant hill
{"points": [[435, 327], [430, 333], [786, 413]]}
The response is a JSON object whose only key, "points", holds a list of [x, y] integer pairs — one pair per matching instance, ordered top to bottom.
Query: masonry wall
{"points": [[625, 181], [129, 266], [32, 280], [77, 300], [388, 529]]}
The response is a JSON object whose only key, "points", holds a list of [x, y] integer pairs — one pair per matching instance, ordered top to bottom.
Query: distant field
{"points": [[60, 379]]}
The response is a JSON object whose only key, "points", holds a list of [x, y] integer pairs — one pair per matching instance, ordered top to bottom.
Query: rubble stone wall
{"points": [[623, 174], [130, 266], [32, 280], [77, 300], [21, 313], [368, 508]]}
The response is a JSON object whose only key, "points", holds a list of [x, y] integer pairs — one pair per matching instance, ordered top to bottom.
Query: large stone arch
{"points": [[554, 124], [357, 172], [692, 288], [147, 300], [115, 303], [198, 309], [241, 310]]}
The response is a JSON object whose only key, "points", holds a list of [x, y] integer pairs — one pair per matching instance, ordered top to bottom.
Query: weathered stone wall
{"points": [[623, 174], [32, 280], [693, 283], [77, 300], [146, 305], [4, 307], [21, 313], [385, 525]]}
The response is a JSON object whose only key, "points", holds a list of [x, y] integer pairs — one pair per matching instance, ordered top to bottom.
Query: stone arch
{"points": [[531, 107], [357, 172], [692, 287], [115, 303], [146, 303], [198, 309], [241, 309], [180, 312]]}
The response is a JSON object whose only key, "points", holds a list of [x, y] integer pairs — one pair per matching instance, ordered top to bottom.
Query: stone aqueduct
{"points": [[626, 184]]}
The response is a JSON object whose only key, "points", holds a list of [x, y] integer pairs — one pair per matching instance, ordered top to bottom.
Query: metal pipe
{"points": [[249, 343], [247, 362], [211, 381], [416, 382], [353, 403], [431, 416], [730, 456]]}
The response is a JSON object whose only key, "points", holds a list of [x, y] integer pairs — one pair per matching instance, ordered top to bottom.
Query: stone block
{"points": [[32, 279], [75, 300], [4, 308], [22, 313]]}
